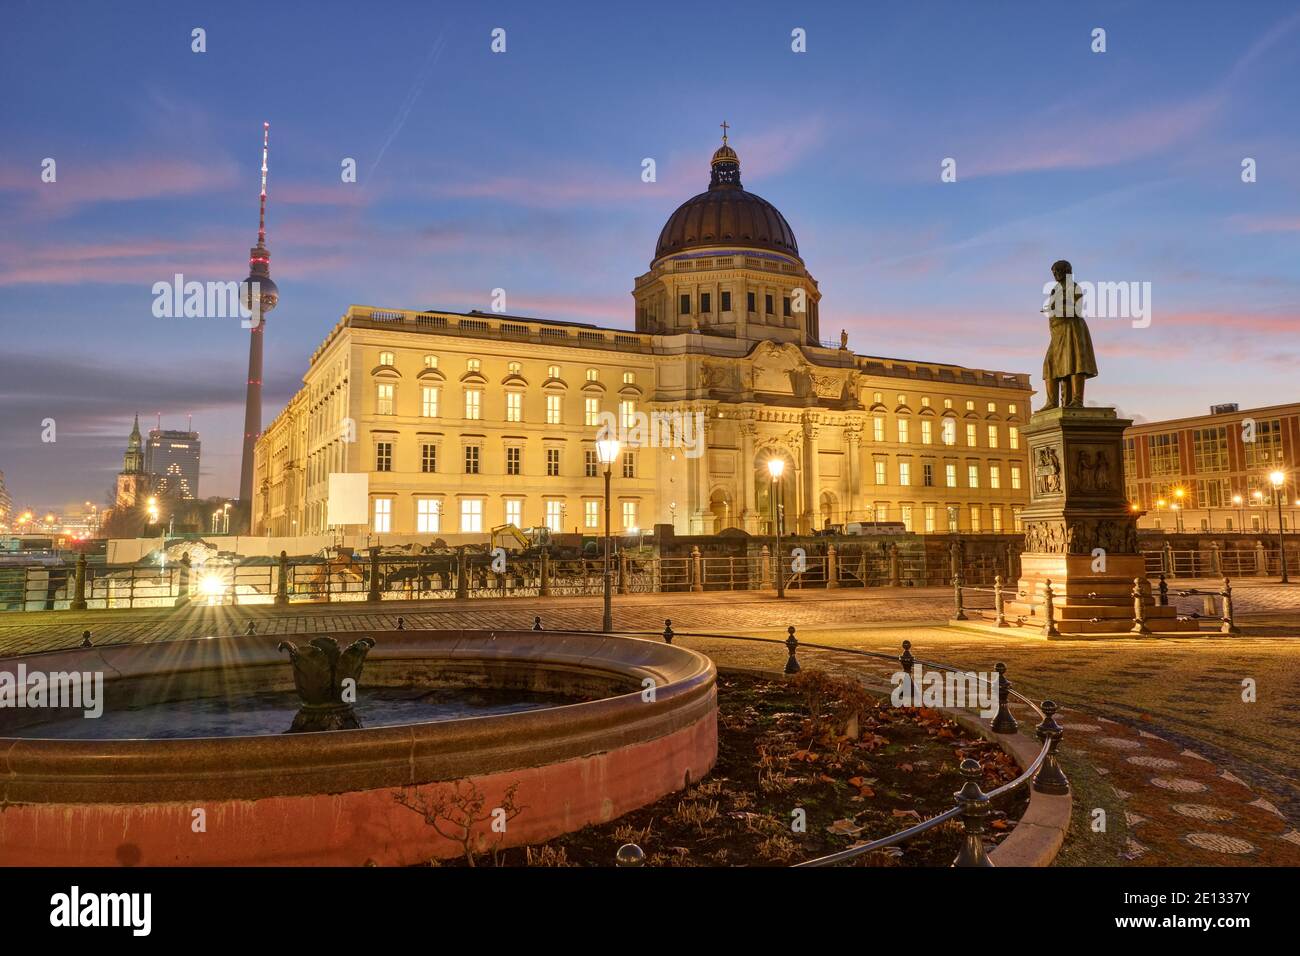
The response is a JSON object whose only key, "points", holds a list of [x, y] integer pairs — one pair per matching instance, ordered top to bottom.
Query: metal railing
{"points": [[1215, 562]]}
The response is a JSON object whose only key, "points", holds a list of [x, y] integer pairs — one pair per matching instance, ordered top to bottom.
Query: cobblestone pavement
{"points": [[1204, 777]]}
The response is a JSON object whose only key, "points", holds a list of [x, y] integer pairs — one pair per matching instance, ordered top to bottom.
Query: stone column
{"points": [[699, 468], [852, 475], [811, 480], [748, 516]]}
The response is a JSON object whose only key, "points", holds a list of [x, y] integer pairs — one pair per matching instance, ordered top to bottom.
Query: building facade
{"points": [[465, 421], [172, 459], [1212, 472]]}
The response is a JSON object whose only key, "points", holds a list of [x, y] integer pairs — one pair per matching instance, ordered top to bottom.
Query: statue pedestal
{"points": [[1079, 531]]}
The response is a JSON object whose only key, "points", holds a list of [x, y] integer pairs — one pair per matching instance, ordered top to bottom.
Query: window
{"points": [[726, 301], [706, 302], [684, 304], [750, 304], [767, 304], [785, 305], [386, 359], [431, 361], [473, 365], [514, 368], [552, 371], [593, 375], [629, 378], [877, 398], [384, 399], [902, 399], [925, 401], [428, 402], [947, 403], [473, 404], [970, 406], [514, 407], [554, 407], [992, 407], [1011, 409], [591, 411], [627, 413], [878, 428], [902, 431], [949, 431], [927, 432], [993, 436], [1013, 436], [971, 440], [1210, 449], [1164, 454], [383, 456], [428, 458], [472, 459], [514, 460], [552, 462], [590, 463], [629, 464], [880, 471], [905, 473], [927, 475], [950, 475], [973, 476], [995, 476], [1015, 477], [515, 512], [882, 512], [995, 512], [428, 514], [471, 514], [591, 514], [629, 515], [555, 516], [907, 516], [929, 518], [975, 518], [1015, 518], [383, 521], [954, 521]]}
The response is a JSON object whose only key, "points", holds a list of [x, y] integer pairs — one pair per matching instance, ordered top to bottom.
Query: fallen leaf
{"points": [[906, 813], [844, 828]]}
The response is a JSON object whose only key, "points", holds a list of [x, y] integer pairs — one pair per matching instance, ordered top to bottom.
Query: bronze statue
{"points": [[1070, 360]]}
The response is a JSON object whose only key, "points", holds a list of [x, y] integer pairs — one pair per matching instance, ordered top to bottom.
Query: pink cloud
{"points": [[80, 182]]}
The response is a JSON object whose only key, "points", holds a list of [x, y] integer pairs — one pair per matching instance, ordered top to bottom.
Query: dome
{"points": [[726, 215]]}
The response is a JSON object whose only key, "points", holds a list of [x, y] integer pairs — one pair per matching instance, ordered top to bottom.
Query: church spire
{"points": [[725, 165]]}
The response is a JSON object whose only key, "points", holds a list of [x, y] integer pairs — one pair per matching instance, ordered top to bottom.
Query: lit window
{"points": [[386, 358], [431, 361], [473, 365], [552, 371], [593, 375], [629, 378], [878, 398], [384, 399], [902, 399], [925, 401], [429, 402], [473, 403], [947, 403], [970, 405], [992, 406], [514, 407], [553, 409], [1011, 409], [591, 411], [627, 413], [878, 428], [902, 431], [949, 431], [927, 432], [970, 436], [993, 436], [1013, 436], [880, 472], [904, 473], [950, 475], [973, 476], [995, 476], [1015, 477], [515, 512], [882, 512], [996, 513], [428, 514], [471, 514], [591, 514], [383, 515], [629, 515], [555, 516], [907, 516], [953, 517], [929, 518], [975, 518], [1015, 518]]}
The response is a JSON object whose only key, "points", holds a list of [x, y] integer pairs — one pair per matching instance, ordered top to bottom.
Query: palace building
{"points": [[465, 421]]}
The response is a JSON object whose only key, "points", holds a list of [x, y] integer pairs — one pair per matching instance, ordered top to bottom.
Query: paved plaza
{"points": [[1195, 774]]}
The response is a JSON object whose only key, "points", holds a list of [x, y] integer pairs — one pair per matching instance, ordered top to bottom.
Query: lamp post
{"points": [[607, 450], [775, 467], [1278, 478], [1259, 499], [1160, 507], [1178, 509], [1241, 520]]}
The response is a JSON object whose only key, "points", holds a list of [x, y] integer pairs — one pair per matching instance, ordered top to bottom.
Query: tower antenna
{"points": [[261, 216]]}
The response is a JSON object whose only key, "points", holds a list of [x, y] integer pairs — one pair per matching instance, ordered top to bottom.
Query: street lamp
{"points": [[607, 450], [775, 467], [1278, 478], [1178, 509], [1241, 518]]}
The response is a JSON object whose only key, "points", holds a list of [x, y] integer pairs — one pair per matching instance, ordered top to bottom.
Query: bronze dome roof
{"points": [[726, 214]]}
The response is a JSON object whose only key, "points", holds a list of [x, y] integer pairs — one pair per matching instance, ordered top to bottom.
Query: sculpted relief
{"points": [[1047, 471], [1092, 471], [1081, 536]]}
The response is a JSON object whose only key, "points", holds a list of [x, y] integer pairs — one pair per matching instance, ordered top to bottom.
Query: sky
{"points": [[522, 170]]}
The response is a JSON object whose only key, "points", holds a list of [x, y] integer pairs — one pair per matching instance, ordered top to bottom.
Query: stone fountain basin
{"points": [[329, 798]]}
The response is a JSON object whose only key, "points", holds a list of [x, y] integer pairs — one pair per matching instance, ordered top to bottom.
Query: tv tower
{"points": [[259, 278]]}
